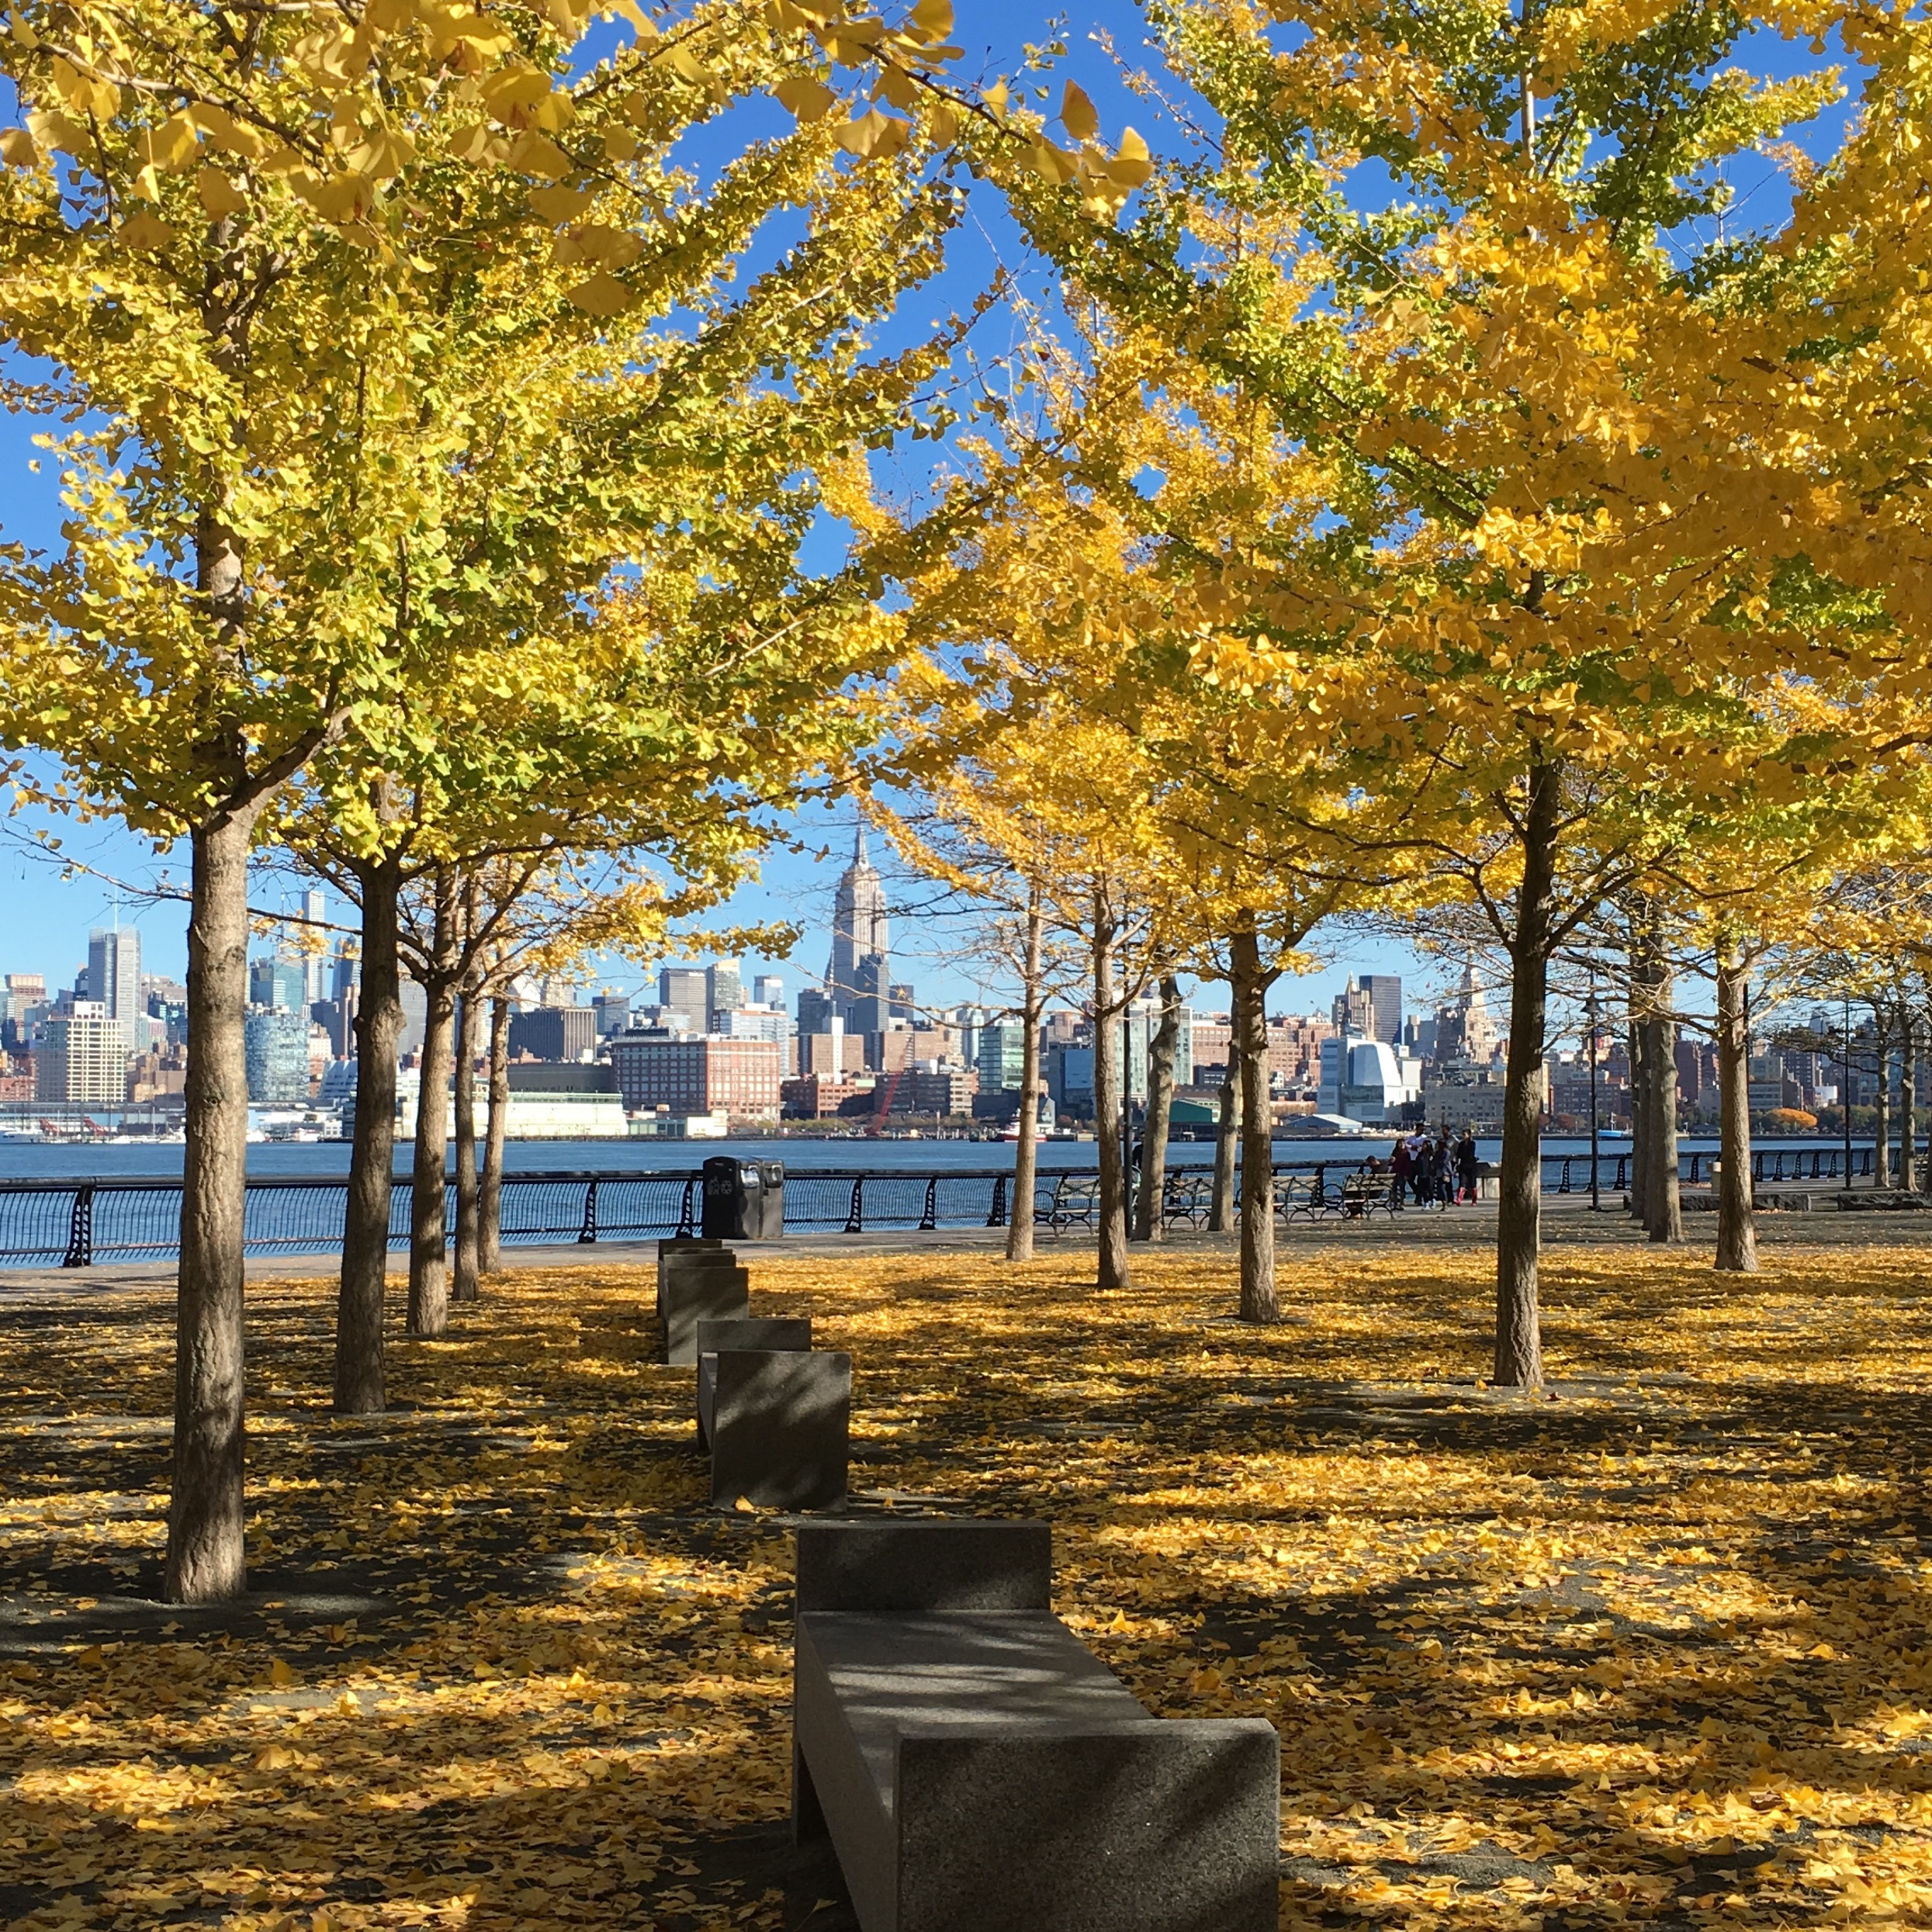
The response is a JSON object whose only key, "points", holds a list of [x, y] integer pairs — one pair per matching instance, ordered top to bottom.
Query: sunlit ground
{"points": [[1653, 1648]]}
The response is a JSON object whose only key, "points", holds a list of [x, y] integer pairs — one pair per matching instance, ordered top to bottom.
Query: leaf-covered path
{"points": [[1654, 1648]]}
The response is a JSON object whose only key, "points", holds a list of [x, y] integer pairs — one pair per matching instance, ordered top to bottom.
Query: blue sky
{"points": [[47, 914]]}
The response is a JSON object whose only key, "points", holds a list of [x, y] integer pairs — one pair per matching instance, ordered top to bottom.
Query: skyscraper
{"points": [[315, 959], [114, 973], [857, 975], [683, 989], [724, 989], [1385, 1001], [1371, 1007], [82, 1056]]}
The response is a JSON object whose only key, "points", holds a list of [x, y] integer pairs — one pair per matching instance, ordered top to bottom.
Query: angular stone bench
{"points": [[697, 1281], [760, 1333], [779, 1423], [978, 1770]]}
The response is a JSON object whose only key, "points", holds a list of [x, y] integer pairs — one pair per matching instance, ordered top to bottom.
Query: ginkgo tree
{"points": [[366, 329], [1585, 509]]}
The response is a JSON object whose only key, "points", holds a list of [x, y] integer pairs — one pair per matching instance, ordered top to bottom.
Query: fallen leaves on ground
{"points": [[1653, 1647]]}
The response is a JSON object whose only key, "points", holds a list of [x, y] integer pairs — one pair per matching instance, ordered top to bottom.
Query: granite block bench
{"points": [[697, 1281], [762, 1335], [778, 1421], [978, 1770]]}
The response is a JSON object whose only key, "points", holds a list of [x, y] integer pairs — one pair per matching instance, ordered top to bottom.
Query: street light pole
{"points": [[1590, 1014]]}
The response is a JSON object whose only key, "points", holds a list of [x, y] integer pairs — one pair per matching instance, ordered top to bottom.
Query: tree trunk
{"points": [[1249, 987], [1881, 1095], [1908, 1099], [1026, 1149], [1640, 1149], [489, 1190], [429, 1204], [1220, 1213], [1666, 1219], [1736, 1220], [1147, 1224], [468, 1242], [1113, 1271], [1519, 1353], [359, 1388], [206, 1560]]}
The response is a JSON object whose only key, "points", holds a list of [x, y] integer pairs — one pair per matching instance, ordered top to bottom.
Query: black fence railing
{"points": [[79, 1222]]}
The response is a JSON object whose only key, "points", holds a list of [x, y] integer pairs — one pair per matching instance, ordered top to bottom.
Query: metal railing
{"points": [[76, 1222]]}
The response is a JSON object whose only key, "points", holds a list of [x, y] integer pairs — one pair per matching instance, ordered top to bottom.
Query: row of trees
{"points": [[1403, 508]]}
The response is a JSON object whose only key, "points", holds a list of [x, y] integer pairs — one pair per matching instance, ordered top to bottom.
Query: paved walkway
{"points": [[1568, 1220]]}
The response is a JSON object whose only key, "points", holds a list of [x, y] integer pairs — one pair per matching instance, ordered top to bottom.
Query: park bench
{"points": [[1363, 1194], [1187, 1197], [1300, 1197], [1074, 1201], [697, 1281], [774, 1413], [978, 1770]]}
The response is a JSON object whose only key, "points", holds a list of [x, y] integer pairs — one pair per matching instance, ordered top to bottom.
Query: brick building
{"points": [[703, 1074]]}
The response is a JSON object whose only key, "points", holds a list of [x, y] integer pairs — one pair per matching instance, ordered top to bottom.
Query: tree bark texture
{"points": [[1249, 984], [1881, 1097], [1908, 1099], [1026, 1149], [1640, 1150], [490, 1189], [429, 1202], [1220, 1210], [1736, 1218], [1665, 1221], [1147, 1225], [469, 1242], [1113, 1270], [1519, 1354], [359, 1388], [207, 1559]]}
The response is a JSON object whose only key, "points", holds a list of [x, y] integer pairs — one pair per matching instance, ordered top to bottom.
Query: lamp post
{"points": [[1590, 1019]]}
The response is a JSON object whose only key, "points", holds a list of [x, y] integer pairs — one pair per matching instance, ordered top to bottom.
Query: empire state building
{"points": [[857, 978]]}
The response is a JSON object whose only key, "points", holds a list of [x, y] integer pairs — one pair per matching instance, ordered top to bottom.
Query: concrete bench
{"points": [[697, 1281], [760, 1333], [779, 1422], [978, 1770]]}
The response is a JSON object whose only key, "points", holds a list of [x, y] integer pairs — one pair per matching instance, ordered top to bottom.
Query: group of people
{"points": [[1432, 1173]]}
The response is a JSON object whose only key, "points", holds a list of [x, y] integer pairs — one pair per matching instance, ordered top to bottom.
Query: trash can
{"points": [[744, 1200]]}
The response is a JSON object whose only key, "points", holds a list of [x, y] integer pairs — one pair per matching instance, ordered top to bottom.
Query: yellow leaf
{"points": [[931, 20], [896, 86], [808, 99], [1077, 114], [942, 125], [52, 128], [224, 131], [875, 134], [477, 144], [619, 144], [171, 146], [17, 149], [532, 153], [1133, 164], [1052, 165], [219, 194], [557, 205], [145, 231], [603, 295], [744, 1506], [280, 1675]]}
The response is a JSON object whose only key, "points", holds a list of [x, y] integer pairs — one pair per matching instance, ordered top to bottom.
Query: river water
{"points": [[56, 1161]]}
